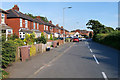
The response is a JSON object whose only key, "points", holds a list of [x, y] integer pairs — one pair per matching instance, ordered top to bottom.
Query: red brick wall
{"points": [[23, 23], [15, 24], [35, 25], [41, 28], [54, 30]]}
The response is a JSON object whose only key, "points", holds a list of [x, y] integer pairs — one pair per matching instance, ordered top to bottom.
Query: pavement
{"points": [[85, 59]]}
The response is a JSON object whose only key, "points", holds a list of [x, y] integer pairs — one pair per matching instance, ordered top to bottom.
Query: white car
{"points": [[83, 39]]}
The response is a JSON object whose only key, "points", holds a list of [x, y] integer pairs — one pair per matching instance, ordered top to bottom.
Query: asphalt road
{"points": [[85, 59]]}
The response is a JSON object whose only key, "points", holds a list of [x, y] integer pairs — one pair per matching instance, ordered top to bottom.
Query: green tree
{"points": [[95, 25], [118, 28], [43, 39]]}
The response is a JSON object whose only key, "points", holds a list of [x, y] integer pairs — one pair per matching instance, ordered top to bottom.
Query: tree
{"points": [[95, 25], [118, 28], [90, 35]]}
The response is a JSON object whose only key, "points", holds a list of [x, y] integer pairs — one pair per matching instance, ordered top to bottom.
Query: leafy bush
{"points": [[13, 37], [51, 37], [29, 38], [41, 39], [111, 39], [19, 42], [32, 50], [8, 52], [4, 74]]}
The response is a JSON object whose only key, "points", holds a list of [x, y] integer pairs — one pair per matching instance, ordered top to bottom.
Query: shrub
{"points": [[13, 37], [51, 37], [41, 39], [110, 39], [19, 42], [32, 50], [8, 52]]}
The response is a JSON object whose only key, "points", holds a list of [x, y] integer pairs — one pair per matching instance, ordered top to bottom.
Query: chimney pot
{"points": [[15, 8], [50, 21]]}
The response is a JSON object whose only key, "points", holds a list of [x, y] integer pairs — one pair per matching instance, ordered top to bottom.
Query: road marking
{"points": [[90, 50], [96, 59], [52, 61], [104, 75]]}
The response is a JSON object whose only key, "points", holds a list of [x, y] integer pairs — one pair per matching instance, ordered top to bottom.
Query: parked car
{"points": [[75, 39], [80, 39], [83, 39]]}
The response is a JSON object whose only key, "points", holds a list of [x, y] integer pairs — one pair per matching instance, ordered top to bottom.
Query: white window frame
{"points": [[2, 18], [20, 22], [26, 24], [34, 25], [37, 25], [44, 27], [59, 30]]}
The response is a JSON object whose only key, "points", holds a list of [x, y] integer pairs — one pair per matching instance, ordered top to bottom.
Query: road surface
{"points": [[85, 59]]}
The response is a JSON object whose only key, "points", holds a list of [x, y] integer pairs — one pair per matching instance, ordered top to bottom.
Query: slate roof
{"points": [[3, 11], [18, 14], [41, 21]]}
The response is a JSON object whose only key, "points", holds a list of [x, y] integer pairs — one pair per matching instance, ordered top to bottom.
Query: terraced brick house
{"points": [[21, 23], [44, 27], [6, 30]]}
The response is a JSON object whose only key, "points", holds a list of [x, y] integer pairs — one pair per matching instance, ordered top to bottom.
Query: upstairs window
{"points": [[2, 18], [20, 22], [26, 23], [34, 25], [37, 25], [44, 27]]}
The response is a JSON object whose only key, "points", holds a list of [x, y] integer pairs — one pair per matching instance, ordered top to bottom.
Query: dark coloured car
{"points": [[75, 39]]}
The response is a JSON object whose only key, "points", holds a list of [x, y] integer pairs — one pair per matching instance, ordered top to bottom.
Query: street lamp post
{"points": [[63, 20]]}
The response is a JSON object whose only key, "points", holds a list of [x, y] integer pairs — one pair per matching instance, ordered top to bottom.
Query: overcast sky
{"points": [[76, 17]]}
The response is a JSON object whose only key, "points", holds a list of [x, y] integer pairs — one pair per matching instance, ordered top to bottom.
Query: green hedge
{"points": [[111, 39], [9, 51]]}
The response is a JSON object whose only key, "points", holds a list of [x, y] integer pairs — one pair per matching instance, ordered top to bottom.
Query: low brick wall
{"points": [[23, 53]]}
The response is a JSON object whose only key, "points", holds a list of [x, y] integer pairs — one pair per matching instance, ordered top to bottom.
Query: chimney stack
{"points": [[15, 8], [38, 16], [50, 21], [57, 25], [61, 26]]}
